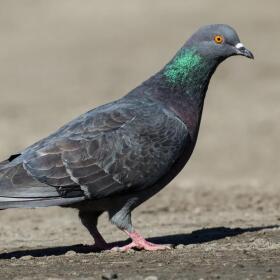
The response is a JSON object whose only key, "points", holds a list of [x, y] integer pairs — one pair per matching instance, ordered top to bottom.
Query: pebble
{"points": [[180, 246], [130, 251], [70, 253], [26, 258], [109, 276], [151, 277]]}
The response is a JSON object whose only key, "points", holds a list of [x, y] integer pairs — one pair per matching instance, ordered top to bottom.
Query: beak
{"points": [[241, 50]]}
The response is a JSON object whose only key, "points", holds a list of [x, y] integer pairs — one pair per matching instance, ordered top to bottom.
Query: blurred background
{"points": [[59, 59]]}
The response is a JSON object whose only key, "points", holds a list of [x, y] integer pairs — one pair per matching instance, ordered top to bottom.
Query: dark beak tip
{"points": [[245, 52], [250, 55]]}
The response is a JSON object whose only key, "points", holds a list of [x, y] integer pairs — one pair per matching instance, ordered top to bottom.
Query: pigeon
{"points": [[116, 156]]}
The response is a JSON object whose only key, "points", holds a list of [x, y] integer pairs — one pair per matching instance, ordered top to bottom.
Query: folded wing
{"points": [[105, 152]]}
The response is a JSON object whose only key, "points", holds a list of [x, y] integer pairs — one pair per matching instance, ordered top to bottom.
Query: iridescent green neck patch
{"points": [[181, 69]]}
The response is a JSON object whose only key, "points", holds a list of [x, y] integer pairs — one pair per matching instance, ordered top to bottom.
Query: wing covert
{"points": [[109, 153]]}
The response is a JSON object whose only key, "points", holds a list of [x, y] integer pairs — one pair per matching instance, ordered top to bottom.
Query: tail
{"points": [[20, 190], [14, 202]]}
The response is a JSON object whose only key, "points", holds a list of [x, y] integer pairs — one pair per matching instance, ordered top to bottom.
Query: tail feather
{"points": [[18, 189], [12, 202]]}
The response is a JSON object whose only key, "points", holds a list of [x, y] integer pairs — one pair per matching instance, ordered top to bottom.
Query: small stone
{"points": [[180, 246], [130, 251], [70, 253], [26, 258], [269, 270], [109, 276], [151, 277]]}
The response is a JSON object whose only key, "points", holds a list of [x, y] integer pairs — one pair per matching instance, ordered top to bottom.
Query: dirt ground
{"points": [[58, 59]]}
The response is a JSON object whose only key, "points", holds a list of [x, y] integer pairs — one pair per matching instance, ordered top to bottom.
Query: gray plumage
{"points": [[116, 156]]}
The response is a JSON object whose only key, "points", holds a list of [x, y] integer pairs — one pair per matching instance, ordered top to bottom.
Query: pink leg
{"points": [[141, 243]]}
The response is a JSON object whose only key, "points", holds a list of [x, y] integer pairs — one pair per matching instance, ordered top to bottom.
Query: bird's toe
{"points": [[147, 246]]}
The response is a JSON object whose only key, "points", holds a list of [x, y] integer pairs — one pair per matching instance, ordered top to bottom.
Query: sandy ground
{"points": [[58, 59]]}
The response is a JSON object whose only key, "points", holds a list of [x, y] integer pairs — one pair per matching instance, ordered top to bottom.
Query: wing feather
{"points": [[115, 150]]}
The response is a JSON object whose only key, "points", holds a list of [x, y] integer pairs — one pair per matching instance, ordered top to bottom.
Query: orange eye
{"points": [[219, 39]]}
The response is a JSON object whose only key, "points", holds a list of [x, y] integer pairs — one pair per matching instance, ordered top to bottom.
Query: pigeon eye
{"points": [[219, 39]]}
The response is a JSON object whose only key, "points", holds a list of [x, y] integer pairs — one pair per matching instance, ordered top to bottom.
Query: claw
{"points": [[138, 242], [147, 247]]}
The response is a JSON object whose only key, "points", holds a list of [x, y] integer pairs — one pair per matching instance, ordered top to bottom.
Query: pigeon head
{"points": [[217, 42], [197, 60]]}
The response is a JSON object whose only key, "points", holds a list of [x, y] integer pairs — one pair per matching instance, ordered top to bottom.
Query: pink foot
{"points": [[138, 242]]}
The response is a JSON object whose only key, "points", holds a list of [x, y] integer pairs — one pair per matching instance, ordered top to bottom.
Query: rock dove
{"points": [[115, 157]]}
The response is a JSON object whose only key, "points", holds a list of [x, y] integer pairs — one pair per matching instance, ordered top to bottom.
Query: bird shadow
{"points": [[195, 237]]}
